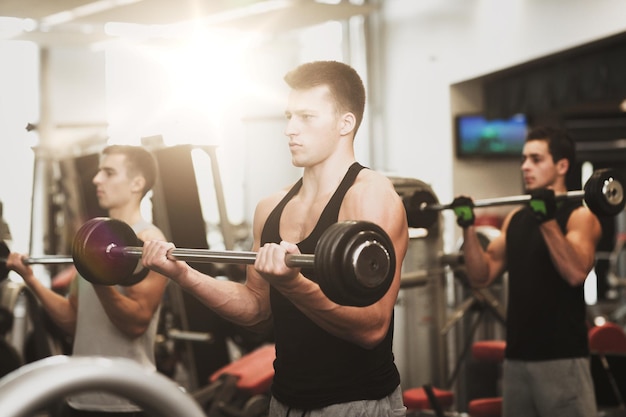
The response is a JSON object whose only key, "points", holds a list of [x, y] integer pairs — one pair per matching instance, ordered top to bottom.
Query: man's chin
{"points": [[529, 187]]}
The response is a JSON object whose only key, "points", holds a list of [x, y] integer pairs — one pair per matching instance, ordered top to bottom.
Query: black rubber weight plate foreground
{"points": [[355, 263]]}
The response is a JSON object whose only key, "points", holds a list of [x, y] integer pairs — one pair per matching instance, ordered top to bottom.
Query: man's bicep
{"points": [[584, 232], [496, 255], [149, 291]]}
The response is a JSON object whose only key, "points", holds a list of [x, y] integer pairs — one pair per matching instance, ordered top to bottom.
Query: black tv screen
{"points": [[477, 136]]}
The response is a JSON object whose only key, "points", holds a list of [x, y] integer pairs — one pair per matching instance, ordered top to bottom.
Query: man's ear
{"points": [[348, 123], [562, 166], [138, 183]]}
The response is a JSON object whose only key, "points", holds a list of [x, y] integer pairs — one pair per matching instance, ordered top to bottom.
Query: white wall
{"points": [[431, 44], [18, 96], [72, 108]]}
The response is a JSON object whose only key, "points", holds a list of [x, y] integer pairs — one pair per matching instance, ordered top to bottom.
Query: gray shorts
{"points": [[558, 388], [389, 406]]}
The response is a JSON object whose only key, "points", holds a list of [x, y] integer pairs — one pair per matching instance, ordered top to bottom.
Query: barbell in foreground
{"points": [[603, 193], [354, 261], [138, 275]]}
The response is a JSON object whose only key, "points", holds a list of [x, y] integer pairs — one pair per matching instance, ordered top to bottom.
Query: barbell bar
{"points": [[603, 193], [504, 201], [42, 260], [47, 260], [354, 261], [139, 272]]}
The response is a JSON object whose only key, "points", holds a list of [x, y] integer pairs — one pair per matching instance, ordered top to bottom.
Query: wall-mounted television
{"points": [[476, 136]]}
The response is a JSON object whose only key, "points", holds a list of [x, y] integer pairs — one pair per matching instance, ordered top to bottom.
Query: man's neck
{"points": [[318, 181], [129, 215]]}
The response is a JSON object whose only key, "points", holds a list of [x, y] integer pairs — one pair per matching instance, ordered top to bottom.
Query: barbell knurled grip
{"points": [[213, 256], [300, 261]]}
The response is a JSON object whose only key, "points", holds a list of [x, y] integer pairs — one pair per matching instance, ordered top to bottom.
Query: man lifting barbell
{"points": [[548, 248], [355, 261], [107, 320], [332, 358]]}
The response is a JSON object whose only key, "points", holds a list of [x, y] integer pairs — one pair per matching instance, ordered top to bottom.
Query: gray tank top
{"points": [[96, 335]]}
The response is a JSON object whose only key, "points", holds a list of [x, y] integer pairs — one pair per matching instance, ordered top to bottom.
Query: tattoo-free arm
{"points": [[573, 254], [483, 266], [61, 310]]}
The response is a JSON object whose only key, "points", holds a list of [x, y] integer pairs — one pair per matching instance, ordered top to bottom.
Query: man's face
{"points": [[313, 125], [538, 167], [114, 188]]}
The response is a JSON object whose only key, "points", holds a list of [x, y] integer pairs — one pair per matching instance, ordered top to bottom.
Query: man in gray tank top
{"points": [[108, 320]]}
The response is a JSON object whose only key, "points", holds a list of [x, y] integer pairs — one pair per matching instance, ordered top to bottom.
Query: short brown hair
{"points": [[342, 80], [560, 143], [138, 161]]}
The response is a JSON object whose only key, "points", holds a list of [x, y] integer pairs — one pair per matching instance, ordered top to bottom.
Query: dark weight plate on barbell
{"points": [[604, 193], [416, 217], [78, 248], [90, 251], [4, 254], [325, 263], [355, 263], [329, 265]]}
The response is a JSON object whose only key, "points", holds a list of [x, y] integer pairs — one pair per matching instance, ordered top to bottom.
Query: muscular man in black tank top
{"points": [[548, 249], [331, 360]]}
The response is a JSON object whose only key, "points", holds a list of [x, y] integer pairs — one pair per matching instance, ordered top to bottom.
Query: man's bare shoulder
{"points": [[373, 181], [372, 193], [275, 197], [267, 204], [151, 233]]}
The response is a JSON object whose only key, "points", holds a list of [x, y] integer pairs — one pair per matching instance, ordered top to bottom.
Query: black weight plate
{"points": [[593, 193], [604, 193], [416, 217], [90, 251], [4, 254], [78, 255], [370, 259], [374, 269], [326, 272], [337, 275], [340, 281], [349, 292], [6, 324]]}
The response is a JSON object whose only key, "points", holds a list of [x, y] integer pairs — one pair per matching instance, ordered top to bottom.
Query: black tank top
{"points": [[546, 315], [313, 368]]}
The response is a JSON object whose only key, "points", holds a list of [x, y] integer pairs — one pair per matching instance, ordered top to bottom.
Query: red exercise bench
{"points": [[487, 351], [240, 389], [418, 398]]}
